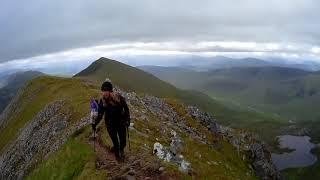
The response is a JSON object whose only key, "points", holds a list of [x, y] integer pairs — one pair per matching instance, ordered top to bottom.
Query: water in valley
{"points": [[300, 157]]}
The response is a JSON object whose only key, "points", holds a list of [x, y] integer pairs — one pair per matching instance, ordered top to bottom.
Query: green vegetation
{"points": [[127, 77], [133, 79], [42, 91], [286, 92], [276, 93], [272, 95], [76, 159], [222, 162]]}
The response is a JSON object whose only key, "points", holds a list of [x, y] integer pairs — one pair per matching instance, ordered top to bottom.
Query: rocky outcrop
{"points": [[205, 119], [45, 133], [243, 141], [255, 150], [172, 153], [262, 162]]}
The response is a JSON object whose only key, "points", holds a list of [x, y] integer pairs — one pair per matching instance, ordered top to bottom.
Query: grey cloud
{"points": [[35, 27]]}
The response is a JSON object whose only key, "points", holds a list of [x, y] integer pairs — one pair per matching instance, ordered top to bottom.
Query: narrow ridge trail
{"points": [[133, 167]]}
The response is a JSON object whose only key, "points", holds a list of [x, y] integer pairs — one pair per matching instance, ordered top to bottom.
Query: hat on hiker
{"points": [[106, 86]]}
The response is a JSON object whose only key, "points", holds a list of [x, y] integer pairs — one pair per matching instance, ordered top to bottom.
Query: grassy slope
{"points": [[179, 77], [127, 78], [133, 79], [40, 92], [288, 92], [305, 92], [288, 96], [76, 159]]}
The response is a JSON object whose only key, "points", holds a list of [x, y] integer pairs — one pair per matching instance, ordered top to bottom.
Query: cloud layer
{"points": [[35, 27]]}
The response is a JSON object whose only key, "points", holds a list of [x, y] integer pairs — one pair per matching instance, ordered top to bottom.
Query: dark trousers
{"points": [[118, 137]]}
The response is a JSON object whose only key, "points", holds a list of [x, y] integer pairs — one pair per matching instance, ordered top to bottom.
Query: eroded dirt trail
{"points": [[133, 167]]}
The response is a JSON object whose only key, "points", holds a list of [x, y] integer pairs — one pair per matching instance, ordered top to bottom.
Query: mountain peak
{"points": [[104, 59], [127, 77]]}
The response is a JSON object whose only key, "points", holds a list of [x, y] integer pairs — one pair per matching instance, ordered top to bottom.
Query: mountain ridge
{"points": [[202, 63], [65, 100], [155, 106], [228, 116]]}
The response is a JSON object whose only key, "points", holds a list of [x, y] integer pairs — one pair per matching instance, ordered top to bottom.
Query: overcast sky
{"points": [[91, 28]]}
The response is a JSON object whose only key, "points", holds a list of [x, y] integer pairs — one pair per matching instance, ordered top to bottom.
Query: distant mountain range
{"points": [[221, 62], [201, 63], [3, 80], [287, 92]]}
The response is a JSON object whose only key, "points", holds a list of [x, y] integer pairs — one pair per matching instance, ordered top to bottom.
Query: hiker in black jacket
{"points": [[117, 118]]}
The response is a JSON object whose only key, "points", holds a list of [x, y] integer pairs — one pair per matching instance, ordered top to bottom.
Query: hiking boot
{"points": [[112, 149], [122, 156], [118, 158]]}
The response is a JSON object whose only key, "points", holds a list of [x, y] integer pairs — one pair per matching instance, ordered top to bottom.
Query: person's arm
{"points": [[126, 111], [100, 115]]}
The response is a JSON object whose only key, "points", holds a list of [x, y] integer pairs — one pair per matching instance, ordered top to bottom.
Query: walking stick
{"points": [[128, 138], [94, 140]]}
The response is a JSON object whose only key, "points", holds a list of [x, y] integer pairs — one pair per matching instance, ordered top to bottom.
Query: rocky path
{"points": [[133, 167]]}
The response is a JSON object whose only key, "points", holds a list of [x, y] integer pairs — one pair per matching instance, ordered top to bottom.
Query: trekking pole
{"points": [[128, 138], [94, 140]]}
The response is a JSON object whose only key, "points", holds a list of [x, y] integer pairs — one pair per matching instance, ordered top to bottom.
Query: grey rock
{"points": [[42, 136], [161, 169], [131, 172], [129, 177]]}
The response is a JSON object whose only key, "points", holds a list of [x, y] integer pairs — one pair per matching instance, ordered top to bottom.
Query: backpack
{"points": [[117, 108]]}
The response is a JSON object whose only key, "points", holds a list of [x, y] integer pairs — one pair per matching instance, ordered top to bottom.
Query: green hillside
{"points": [[127, 77], [180, 77], [133, 79], [40, 92], [286, 92], [291, 94], [77, 160]]}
